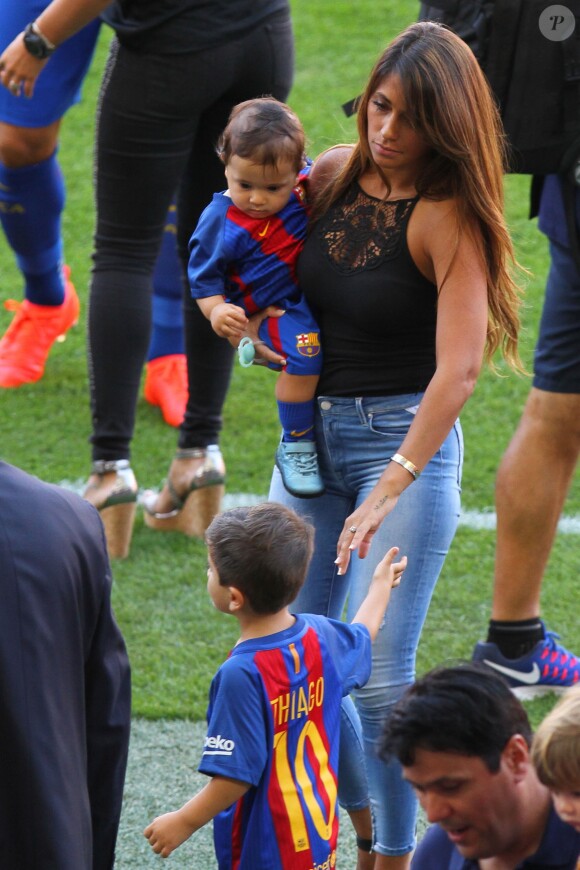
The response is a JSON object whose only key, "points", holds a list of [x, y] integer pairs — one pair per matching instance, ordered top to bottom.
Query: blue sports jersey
{"points": [[251, 261], [273, 722], [559, 850]]}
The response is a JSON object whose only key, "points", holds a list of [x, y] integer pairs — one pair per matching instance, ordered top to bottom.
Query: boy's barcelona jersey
{"points": [[252, 261], [273, 722]]}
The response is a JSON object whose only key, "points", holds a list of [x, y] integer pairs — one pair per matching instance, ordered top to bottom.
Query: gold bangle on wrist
{"points": [[406, 463]]}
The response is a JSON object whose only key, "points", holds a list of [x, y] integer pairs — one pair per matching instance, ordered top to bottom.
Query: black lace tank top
{"points": [[377, 313]]}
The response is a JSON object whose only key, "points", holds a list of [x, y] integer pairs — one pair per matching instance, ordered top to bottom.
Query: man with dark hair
{"points": [[64, 682], [464, 742]]}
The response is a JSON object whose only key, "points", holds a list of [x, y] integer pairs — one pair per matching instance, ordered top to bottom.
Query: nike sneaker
{"points": [[298, 464], [548, 667]]}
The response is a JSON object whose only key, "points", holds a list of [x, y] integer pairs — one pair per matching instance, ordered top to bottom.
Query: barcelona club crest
{"points": [[308, 344]]}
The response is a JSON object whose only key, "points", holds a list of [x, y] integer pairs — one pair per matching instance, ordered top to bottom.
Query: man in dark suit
{"points": [[64, 682]]}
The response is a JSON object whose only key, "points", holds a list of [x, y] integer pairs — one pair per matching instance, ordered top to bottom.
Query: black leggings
{"points": [[159, 118]]}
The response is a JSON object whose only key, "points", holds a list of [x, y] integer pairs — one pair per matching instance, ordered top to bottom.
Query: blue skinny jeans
{"points": [[355, 438]]}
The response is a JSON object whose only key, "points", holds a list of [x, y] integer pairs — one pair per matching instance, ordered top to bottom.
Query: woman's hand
{"points": [[19, 69], [263, 353], [360, 527]]}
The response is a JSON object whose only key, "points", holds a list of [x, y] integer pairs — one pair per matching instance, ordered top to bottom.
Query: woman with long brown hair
{"points": [[408, 269]]}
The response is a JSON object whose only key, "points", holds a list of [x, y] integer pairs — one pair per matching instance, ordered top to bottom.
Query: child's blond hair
{"points": [[556, 745]]}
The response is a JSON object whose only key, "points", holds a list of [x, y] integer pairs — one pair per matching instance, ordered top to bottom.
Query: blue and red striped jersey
{"points": [[251, 261], [274, 722]]}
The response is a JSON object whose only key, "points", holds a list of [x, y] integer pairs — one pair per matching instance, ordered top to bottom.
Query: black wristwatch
{"points": [[36, 42]]}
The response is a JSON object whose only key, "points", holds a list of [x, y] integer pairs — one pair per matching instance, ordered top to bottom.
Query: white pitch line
{"points": [[477, 520], [487, 520]]}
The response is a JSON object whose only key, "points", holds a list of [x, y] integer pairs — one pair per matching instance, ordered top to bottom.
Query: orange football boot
{"points": [[35, 328], [166, 386]]}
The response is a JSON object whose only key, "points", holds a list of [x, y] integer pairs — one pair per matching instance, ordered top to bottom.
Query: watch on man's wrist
{"points": [[36, 42]]}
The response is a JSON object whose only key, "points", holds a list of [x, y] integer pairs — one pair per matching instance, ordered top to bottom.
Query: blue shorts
{"points": [[59, 84], [296, 337], [557, 355]]}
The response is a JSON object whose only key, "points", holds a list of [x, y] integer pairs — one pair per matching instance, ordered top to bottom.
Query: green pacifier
{"points": [[246, 352]]}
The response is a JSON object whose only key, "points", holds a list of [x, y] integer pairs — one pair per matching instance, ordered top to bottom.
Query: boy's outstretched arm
{"points": [[387, 574], [167, 832]]}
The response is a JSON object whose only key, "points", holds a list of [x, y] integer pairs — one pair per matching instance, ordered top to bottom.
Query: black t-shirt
{"points": [[183, 26], [377, 313]]}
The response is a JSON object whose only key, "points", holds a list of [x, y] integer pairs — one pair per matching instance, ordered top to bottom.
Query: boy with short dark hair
{"points": [[274, 711]]}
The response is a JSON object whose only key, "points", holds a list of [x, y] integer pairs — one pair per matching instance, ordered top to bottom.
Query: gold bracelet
{"points": [[406, 463]]}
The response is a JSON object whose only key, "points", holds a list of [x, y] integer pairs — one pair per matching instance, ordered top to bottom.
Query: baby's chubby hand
{"points": [[229, 321]]}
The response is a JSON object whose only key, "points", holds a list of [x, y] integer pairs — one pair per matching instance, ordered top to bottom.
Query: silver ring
{"points": [[14, 87], [352, 529]]}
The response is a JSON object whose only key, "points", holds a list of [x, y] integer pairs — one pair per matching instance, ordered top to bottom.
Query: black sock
{"points": [[515, 638]]}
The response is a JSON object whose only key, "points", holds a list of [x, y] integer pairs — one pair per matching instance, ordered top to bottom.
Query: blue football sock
{"points": [[31, 203], [167, 334], [297, 419]]}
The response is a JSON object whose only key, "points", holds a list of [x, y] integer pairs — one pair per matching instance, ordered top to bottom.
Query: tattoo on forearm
{"points": [[381, 502]]}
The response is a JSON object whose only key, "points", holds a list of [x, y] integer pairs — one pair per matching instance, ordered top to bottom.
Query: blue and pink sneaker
{"points": [[548, 667]]}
